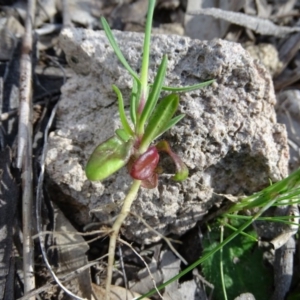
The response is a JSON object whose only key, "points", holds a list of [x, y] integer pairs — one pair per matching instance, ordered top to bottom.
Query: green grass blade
{"points": [[116, 48], [189, 88], [154, 94], [134, 98], [162, 115], [123, 118], [283, 190], [281, 219], [242, 233]]}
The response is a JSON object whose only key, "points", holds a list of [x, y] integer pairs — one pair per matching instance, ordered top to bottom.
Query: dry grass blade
{"points": [[258, 25], [24, 159]]}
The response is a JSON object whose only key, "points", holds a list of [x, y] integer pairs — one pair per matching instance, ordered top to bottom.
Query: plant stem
{"points": [[146, 49], [145, 66], [115, 232], [221, 263]]}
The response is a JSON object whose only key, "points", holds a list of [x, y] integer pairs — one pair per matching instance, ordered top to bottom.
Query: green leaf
{"points": [[146, 47], [116, 48], [189, 88], [154, 94], [134, 98], [123, 118], [159, 119], [172, 122], [107, 158]]}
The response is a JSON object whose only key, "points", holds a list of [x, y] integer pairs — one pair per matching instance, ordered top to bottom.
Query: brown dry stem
{"points": [[24, 159]]}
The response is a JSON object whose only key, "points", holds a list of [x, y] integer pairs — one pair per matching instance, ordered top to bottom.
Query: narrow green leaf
{"points": [[146, 47], [116, 48], [189, 88], [154, 94], [134, 98], [123, 118], [159, 119], [170, 124], [107, 158]]}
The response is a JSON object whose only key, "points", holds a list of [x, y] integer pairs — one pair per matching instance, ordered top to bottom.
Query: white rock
{"points": [[229, 138]]}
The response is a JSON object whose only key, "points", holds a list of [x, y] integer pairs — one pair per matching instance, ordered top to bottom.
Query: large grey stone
{"points": [[229, 138]]}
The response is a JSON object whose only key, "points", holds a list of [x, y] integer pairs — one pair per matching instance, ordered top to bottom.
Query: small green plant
{"points": [[133, 146]]}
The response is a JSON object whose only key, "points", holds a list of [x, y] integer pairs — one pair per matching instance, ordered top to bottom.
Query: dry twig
{"points": [[24, 159]]}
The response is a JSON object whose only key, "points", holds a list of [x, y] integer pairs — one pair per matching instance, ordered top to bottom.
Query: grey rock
{"points": [[229, 139]]}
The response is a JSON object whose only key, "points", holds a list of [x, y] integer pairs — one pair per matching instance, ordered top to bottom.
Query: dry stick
{"points": [[66, 15], [25, 86], [24, 157], [115, 232], [123, 271]]}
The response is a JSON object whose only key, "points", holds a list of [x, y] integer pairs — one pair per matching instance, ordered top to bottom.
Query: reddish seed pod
{"points": [[145, 165]]}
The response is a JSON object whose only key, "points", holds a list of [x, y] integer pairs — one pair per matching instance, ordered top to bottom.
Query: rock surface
{"points": [[229, 139]]}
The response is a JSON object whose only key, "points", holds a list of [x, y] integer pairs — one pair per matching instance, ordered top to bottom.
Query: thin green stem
{"points": [[115, 232], [242, 233], [221, 264]]}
